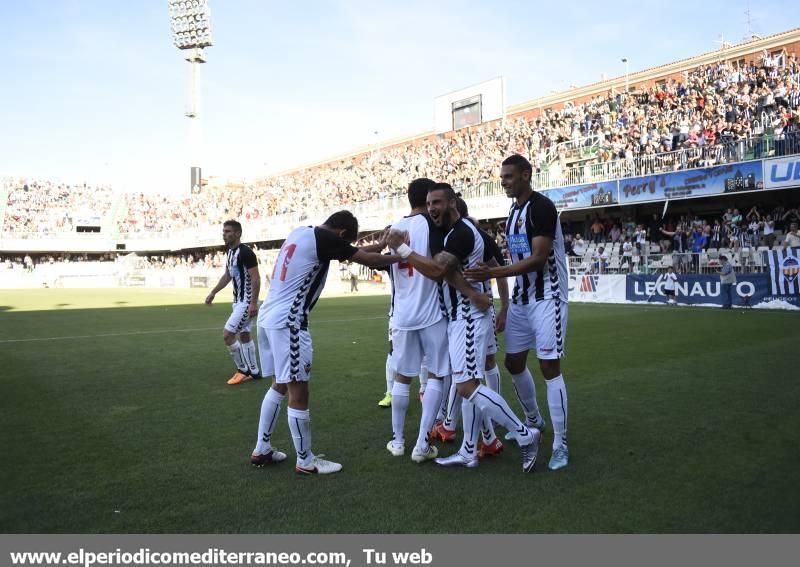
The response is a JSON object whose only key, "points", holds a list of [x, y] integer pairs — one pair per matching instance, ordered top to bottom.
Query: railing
{"points": [[744, 260]]}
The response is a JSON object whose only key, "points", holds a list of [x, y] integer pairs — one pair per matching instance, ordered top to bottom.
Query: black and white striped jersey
{"points": [[537, 217], [465, 243], [491, 251], [238, 261], [299, 276]]}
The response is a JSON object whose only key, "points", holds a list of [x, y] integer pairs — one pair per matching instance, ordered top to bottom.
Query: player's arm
{"points": [[378, 246], [541, 246], [373, 259], [456, 279], [223, 281], [255, 281], [502, 288]]}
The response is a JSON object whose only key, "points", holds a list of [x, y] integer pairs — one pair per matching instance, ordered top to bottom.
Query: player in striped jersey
{"points": [[241, 268], [537, 317], [495, 322], [466, 331], [283, 338]]}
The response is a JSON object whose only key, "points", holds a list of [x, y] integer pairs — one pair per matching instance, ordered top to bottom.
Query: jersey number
{"points": [[288, 252]]}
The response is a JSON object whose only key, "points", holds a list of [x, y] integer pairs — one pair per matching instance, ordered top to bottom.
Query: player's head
{"points": [[515, 175], [418, 192], [441, 204], [461, 206], [344, 224], [231, 232], [723, 258], [670, 269]]}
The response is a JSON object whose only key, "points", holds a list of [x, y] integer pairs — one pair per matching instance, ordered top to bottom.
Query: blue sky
{"points": [[95, 90]]}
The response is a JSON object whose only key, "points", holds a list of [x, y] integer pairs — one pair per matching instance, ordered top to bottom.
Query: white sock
{"points": [[236, 353], [250, 358], [389, 374], [493, 378], [423, 379], [447, 381], [526, 394], [557, 401], [492, 404], [430, 405], [453, 407], [270, 408], [399, 408], [471, 417], [300, 426], [487, 430]]}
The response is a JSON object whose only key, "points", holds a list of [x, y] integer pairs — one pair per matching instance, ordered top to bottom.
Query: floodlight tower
{"points": [[191, 32]]}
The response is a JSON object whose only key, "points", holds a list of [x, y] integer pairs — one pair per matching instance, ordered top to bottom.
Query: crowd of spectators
{"points": [[702, 118], [699, 120], [43, 206], [685, 236]]}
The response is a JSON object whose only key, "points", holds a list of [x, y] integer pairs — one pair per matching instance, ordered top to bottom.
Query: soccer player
{"points": [[241, 268], [537, 317], [495, 322], [419, 329], [466, 331], [283, 338]]}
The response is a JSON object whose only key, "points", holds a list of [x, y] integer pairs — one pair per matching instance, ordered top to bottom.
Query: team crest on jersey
{"points": [[520, 220], [790, 267]]}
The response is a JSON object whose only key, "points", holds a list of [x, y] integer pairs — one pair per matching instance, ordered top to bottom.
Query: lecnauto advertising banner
{"points": [[750, 289]]}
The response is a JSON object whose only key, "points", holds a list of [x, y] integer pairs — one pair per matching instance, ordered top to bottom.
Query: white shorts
{"points": [[239, 321], [541, 325], [468, 340], [492, 345], [410, 348], [285, 354]]}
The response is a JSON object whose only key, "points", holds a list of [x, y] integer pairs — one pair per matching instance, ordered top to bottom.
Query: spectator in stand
{"points": [[768, 227], [597, 231], [615, 234], [792, 238], [699, 243], [579, 245], [680, 248], [627, 254], [600, 264]]}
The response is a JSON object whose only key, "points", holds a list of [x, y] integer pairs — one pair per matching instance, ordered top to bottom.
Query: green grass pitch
{"points": [[681, 420]]}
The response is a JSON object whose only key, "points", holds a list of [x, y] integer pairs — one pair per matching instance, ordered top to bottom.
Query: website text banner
{"points": [[782, 173], [702, 182], [598, 194], [597, 288], [750, 289], [396, 550]]}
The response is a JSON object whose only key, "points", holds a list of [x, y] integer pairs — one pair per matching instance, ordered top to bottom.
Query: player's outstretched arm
{"points": [[541, 245], [373, 259], [223, 281]]}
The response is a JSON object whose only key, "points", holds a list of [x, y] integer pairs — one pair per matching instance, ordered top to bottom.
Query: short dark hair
{"points": [[520, 162], [446, 187], [418, 191], [461, 206], [344, 220], [235, 225], [723, 258]]}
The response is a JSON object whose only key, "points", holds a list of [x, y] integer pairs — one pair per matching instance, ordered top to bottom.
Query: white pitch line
{"points": [[161, 331]]}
